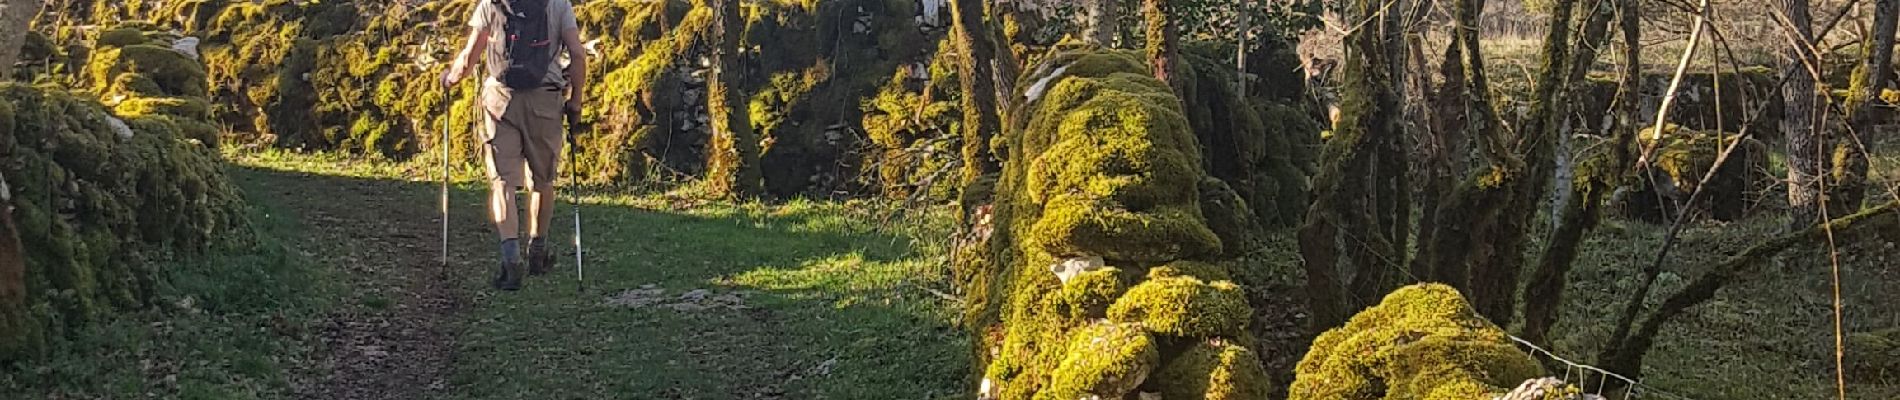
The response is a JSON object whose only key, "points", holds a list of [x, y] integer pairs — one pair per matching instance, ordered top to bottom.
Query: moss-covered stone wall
{"points": [[359, 76], [1249, 140], [1682, 157], [102, 180], [1100, 275], [1421, 342]]}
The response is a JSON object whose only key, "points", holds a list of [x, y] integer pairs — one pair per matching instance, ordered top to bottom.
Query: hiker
{"points": [[522, 100]]}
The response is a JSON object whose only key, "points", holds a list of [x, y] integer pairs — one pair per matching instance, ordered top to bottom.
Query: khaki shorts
{"points": [[523, 129]]}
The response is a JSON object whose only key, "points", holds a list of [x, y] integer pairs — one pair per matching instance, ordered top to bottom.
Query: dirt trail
{"points": [[393, 337]]}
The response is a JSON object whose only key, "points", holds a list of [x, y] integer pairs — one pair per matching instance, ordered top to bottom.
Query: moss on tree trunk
{"points": [[977, 72], [732, 159], [1847, 176], [1581, 212], [1348, 242]]}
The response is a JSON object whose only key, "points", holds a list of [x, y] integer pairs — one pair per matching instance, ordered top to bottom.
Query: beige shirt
{"points": [[488, 15]]}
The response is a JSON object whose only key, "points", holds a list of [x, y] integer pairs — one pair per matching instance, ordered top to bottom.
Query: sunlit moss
{"points": [[169, 72], [1101, 163], [95, 193], [1184, 307], [1421, 342], [1103, 360], [1214, 371]]}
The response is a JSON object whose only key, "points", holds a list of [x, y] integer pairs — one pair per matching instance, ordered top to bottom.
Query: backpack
{"points": [[526, 43]]}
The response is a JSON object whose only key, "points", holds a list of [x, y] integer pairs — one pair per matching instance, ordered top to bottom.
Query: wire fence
{"points": [[1598, 381]]}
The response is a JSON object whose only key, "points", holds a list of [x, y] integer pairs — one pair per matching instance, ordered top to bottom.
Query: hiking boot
{"points": [[540, 260], [509, 277]]}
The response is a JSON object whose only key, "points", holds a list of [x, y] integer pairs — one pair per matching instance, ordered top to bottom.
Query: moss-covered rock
{"points": [[120, 37], [146, 70], [1249, 142], [1682, 157], [1099, 162], [1111, 163], [92, 192], [1230, 217], [1089, 294], [1183, 306], [18, 333], [1421, 342], [1103, 360], [1214, 371]]}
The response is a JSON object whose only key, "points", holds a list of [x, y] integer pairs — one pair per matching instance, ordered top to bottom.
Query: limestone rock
{"points": [[1070, 267]]}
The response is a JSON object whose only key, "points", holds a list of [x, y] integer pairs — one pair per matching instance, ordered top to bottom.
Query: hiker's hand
{"points": [[451, 76], [573, 106]]}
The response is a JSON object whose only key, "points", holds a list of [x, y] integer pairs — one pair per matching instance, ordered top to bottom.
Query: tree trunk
{"points": [[16, 17], [1102, 22], [1243, 28], [1163, 41], [976, 71], [1798, 121], [1444, 151], [733, 154], [1395, 163], [1847, 182], [1391, 188], [1581, 212], [1484, 224], [1461, 230], [1341, 231], [1625, 354]]}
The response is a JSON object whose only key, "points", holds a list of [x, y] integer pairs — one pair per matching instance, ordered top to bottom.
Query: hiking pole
{"points": [[444, 143], [574, 200]]}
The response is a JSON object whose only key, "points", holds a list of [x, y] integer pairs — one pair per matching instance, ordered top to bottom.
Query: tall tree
{"points": [[16, 16], [1102, 22], [1164, 38], [977, 73], [1799, 119], [733, 159], [1847, 181], [1581, 212], [1482, 228], [1345, 248]]}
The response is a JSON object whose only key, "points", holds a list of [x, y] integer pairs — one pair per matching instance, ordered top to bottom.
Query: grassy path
{"points": [[684, 300], [390, 336]]}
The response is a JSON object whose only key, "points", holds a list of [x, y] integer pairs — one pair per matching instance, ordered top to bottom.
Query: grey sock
{"points": [[537, 245], [510, 250]]}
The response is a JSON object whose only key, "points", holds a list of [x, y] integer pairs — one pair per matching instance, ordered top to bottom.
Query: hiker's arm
{"points": [[471, 53], [576, 68]]}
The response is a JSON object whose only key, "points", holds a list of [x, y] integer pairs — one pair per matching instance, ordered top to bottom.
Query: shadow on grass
{"points": [[828, 306], [225, 324]]}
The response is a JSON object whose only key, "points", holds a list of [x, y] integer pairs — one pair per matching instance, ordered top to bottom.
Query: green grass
{"points": [[837, 298], [835, 308], [233, 324], [1763, 338]]}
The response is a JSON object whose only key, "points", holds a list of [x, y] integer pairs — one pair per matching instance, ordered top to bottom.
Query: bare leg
{"points": [[501, 207], [542, 212]]}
